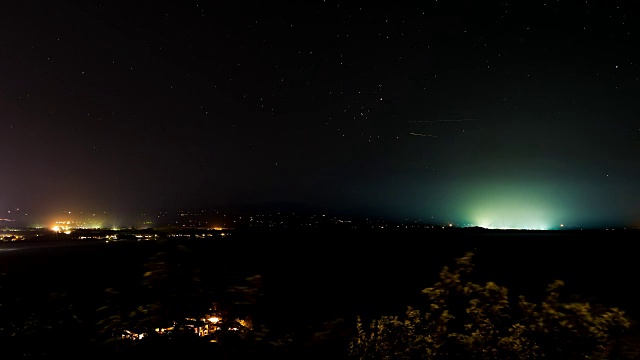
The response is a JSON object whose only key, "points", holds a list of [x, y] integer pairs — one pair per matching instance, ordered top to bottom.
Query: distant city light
{"points": [[524, 205]]}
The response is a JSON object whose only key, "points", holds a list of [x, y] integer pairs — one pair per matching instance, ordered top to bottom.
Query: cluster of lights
{"points": [[67, 226], [62, 227], [536, 227], [210, 326]]}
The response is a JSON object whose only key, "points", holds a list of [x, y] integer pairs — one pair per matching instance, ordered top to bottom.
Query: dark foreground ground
{"points": [[311, 279]]}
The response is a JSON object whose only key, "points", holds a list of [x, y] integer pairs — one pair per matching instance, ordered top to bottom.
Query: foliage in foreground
{"points": [[463, 319]]}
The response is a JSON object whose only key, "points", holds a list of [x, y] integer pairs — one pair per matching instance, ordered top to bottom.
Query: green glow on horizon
{"points": [[512, 206]]}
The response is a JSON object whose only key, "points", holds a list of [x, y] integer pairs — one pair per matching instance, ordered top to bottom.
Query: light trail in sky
{"points": [[441, 120]]}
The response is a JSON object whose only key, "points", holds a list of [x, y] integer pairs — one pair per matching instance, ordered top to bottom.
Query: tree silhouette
{"points": [[463, 319]]}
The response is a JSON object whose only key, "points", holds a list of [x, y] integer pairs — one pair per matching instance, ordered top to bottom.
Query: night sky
{"points": [[497, 114]]}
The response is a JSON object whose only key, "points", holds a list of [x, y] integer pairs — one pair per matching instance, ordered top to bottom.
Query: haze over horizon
{"points": [[496, 114]]}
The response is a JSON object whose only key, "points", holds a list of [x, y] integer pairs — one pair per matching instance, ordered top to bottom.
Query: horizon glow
{"points": [[514, 205]]}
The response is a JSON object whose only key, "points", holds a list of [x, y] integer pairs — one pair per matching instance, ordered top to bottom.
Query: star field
{"points": [[461, 111]]}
